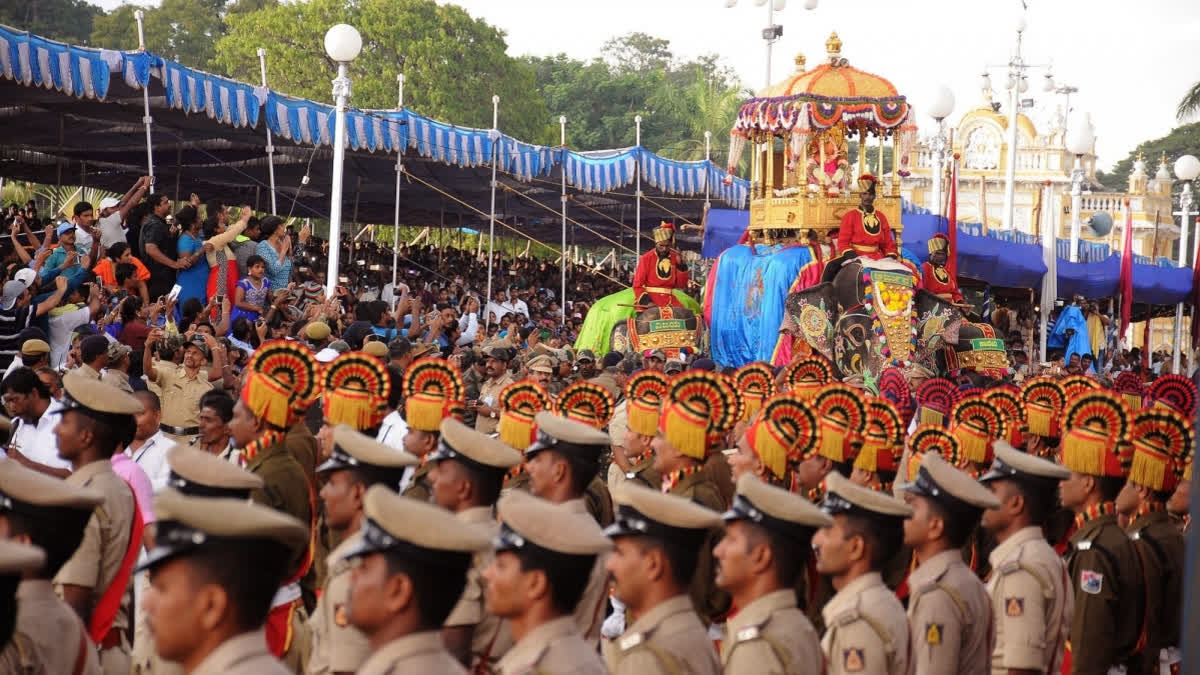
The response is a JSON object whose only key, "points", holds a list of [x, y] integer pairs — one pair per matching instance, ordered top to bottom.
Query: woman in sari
{"points": [[223, 272]]}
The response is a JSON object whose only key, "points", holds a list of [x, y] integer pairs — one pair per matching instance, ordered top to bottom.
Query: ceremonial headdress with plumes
{"points": [[866, 183], [664, 232], [938, 242], [807, 375], [282, 383], [756, 383], [1074, 385], [893, 386], [1131, 388], [356, 391], [433, 391], [645, 392], [1176, 392], [935, 398], [1006, 399], [1044, 401], [586, 402], [519, 403], [697, 406], [842, 418], [975, 424], [784, 431], [1097, 435], [883, 438], [928, 438], [1162, 439]]}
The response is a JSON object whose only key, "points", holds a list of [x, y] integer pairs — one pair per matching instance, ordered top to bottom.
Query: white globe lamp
{"points": [[343, 43], [941, 102], [1079, 137], [1187, 167]]}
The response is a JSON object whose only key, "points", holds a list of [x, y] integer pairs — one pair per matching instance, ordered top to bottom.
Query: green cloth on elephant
{"points": [[612, 310]]}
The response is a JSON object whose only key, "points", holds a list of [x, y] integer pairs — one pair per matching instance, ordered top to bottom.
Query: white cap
{"points": [[109, 202], [25, 276], [326, 355]]}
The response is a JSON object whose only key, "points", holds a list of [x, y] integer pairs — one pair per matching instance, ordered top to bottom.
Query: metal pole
{"points": [[769, 37], [262, 68], [341, 92], [146, 119], [562, 136], [939, 151], [707, 160], [638, 167], [1076, 203], [1185, 207], [396, 215], [492, 218], [1050, 284]]}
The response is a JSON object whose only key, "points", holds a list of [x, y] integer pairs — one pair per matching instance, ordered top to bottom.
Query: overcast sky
{"points": [[1132, 61]]}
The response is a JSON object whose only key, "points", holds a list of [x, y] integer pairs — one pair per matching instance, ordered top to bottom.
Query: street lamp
{"points": [[773, 31], [342, 44], [941, 104], [1079, 143], [1187, 168]]}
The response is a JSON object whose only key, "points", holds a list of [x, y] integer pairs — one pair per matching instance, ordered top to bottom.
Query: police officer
{"points": [[433, 391], [644, 393], [98, 422], [356, 463], [467, 476], [50, 514], [663, 533], [538, 539], [767, 543], [15, 560], [214, 569], [408, 571], [1031, 595], [948, 611], [866, 628]]}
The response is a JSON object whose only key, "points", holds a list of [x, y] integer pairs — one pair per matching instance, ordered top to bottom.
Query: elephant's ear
{"points": [[811, 314]]}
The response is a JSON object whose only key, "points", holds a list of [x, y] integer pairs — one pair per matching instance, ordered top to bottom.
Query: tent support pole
{"points": [[262, 68], [146, 119], [495, 135], [58, 159], [638, 168], [178, 169], [396, 211], [562, 300]]}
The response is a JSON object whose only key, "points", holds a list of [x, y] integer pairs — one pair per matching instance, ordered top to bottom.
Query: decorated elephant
{"points": [[871, 318], [675, 330]]}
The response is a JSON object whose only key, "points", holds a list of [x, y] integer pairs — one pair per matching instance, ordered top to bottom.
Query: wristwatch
{"points": [[492, 414]]}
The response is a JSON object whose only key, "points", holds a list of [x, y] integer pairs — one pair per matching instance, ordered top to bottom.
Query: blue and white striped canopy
{"points": [[37, 62]]}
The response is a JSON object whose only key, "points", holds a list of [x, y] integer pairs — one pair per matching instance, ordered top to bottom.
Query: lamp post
{"points": [[773, 31], [342, 44], [941, 104], [1079, 143], [1187, 168]]}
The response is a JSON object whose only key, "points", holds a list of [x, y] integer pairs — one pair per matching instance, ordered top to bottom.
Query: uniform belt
{"points": [[865, 247], [658, 289], [179, 431], [286, 594], [112, 638]]}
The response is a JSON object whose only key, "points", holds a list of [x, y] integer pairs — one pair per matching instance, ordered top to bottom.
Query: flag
{"points": [[952, 225], [1127, 271], [1195, 297]]}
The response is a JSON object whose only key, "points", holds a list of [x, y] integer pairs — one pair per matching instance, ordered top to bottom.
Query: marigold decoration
{"points": [[888, 300], [806, 376], [281, 383], [756, 383], [1074, 385], [893, 386], [1131, 388], [356, 391], [645, 392], [1176, 392], [935, 398], [1006, 399], [1044, 401], [586, 402], [519, 403], [696, 405], [842, 418], [786, 423], [975, 424], [883, 438], [928, 438], [1162, 439], [1096, 442]]}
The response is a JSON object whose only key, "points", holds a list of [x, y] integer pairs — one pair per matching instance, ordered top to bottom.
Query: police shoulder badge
{"points": [[1091, 582], [1014, 607], [339, 615], [933, 633], [853, 660]]}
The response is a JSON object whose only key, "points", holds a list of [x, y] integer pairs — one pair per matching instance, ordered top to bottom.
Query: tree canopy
{"points": [[64, 20], [1182, 140]]}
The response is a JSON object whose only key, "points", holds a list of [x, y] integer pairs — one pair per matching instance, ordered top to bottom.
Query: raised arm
{"points": [[60, 289]]}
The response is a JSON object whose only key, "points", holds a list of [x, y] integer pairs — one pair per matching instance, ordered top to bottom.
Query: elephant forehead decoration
{"points": [[888, 299], [806, 376], [756, 383], [1075, 385], [1131, 388], [1176, 392], [935, 398], [1006, 399], [1044, 400], [586, 402], [843, 417], [975, 424], [786, 431], [1098, 434], [928, 438], [883, 439], [1162, 440]]}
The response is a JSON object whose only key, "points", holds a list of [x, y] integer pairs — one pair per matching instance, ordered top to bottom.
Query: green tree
{"points": [[64, 20], [185, 31], [452, 63], [1190, 103], [1182, 140]]}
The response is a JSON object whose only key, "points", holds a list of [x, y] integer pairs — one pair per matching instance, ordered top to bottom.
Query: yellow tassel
{"points": [[806, 390], [268, 399], [1134, 400], [753, 405], [352, 407], [424, 412], [931, 416], [1038, 419], [642, 420], [515, 431], [687, 434], [833, 441], [971, 442], [769, 449], [1083, 451], [868, 457], [914, 465], [1148, 470]]}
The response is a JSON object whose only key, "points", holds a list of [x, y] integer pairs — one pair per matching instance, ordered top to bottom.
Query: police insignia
{"points": [[1091, 582], [1014, 607], [339, 615], [933, 633], [853, 660]]}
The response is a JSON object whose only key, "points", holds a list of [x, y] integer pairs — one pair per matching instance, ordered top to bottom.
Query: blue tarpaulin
{"points": [[722, 229]]}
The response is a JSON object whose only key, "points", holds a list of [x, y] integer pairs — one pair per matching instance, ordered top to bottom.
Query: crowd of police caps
{"points": [[767, 523]]}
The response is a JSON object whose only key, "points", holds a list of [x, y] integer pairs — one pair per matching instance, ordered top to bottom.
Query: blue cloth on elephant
{"points": [[1070, 318]]}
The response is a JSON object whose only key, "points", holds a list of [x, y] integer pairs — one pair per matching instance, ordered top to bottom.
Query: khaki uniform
{"points": [[88, 372], [118, 379], [491, 390], [181, 396], [618, 424], [302, 445], [644, 473], [419, 487], [599, 501], [1161, 547], [97, 561], [1109, 600], [711, 602], [1031, 604], [589, 613], [949, 617], [867, 630], [49, 632], [771, 635], [492, 636], [669, 638], [336, 645], [553, 647], [413, 653], [245, 654]]}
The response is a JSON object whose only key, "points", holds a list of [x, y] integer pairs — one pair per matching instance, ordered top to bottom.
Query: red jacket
{"points": [[853, 234], [658, 278], [937, 280]]}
